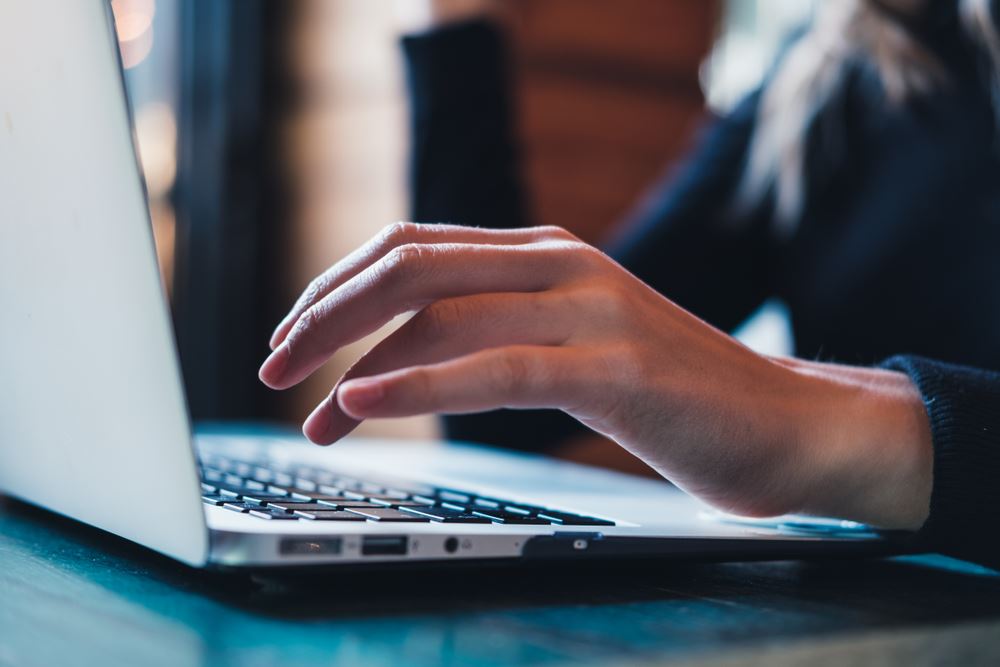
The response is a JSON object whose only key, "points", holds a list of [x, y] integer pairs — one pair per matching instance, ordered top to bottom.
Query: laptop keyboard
{"points": [[312, 494]]}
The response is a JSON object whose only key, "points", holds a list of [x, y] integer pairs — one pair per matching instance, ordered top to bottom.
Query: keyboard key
{"points": [[221, 463], [242, 469], [263, 475], [321, 477], [282, 479], [233, 480], [347, 483], [303, 484], [254, 485], [208, 488], [398, 494], [304, 495], [454, 496], [308, 497], [262, 498], [216, 499], [347, 502], [394, 502], [488, 503], [239, 507], [291, 507], [463, 507], [523, 510], [265, 514], [388, 514], [329, 515], [445, 515], [500, 516], [568, 519]]}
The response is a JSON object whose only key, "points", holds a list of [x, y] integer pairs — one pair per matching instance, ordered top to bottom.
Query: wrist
{"points": [[864, 445]]}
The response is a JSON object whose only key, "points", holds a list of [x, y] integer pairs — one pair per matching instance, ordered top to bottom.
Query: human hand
{"points": [[534, 318]]}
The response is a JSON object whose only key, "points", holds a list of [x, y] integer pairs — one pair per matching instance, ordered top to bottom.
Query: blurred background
{"points": [[273, 136]]}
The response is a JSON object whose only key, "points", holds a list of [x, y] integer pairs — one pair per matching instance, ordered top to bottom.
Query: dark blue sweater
{"points": [[897, 251]]}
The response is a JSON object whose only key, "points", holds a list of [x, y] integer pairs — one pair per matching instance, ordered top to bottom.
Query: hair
{"points": [[807, 80]]}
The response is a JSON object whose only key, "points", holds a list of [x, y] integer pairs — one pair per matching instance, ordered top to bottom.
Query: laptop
{"points": [[93, 421]]}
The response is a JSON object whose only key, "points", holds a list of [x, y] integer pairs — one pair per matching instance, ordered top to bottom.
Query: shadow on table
{"points": [[562, 612]]}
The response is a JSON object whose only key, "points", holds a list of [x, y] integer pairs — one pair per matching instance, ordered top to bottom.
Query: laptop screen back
{"points": [[92, 417]]}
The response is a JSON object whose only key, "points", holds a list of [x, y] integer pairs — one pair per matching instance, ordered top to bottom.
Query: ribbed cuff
{"points": [[460, 63], [963, 405]]}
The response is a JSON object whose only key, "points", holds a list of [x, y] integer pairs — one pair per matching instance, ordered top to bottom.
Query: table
{"points": [[72, 595]]}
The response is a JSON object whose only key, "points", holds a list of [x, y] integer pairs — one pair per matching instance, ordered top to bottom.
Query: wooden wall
{"points": [[609, 95]]}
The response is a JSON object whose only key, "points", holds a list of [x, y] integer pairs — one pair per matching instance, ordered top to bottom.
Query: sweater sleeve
{"points": [[464, 166], [688, 240], [963, 405]]}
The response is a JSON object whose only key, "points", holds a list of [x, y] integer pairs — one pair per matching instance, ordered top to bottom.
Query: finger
{"points": [[393, 236], [406, 279], [446, 330], [507, 377]]}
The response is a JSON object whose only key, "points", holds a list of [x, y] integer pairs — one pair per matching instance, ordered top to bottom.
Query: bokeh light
{"points": [[134, 22]]}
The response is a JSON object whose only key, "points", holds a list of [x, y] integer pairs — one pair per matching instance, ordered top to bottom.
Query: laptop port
{"points": [[383, 545], [325, 546]]}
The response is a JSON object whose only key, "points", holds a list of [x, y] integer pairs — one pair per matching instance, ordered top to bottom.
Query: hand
{"points": [[534, 318]]}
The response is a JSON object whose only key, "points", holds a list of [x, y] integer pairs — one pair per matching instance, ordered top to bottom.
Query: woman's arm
{"points": [[688, 240], [534, 318]]}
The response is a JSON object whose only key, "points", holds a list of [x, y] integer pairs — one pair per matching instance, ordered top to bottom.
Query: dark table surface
{"points": [[71, 595]]}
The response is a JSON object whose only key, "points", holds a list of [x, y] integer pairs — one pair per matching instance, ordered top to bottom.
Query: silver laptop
{"points": [[93, 422]]}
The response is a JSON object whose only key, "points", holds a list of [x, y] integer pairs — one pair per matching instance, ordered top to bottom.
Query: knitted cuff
{"points": [[963, 405]]}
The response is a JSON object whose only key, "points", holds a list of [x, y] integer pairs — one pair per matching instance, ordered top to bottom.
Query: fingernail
{"points": [[274, 366], [358, 396], [318, 423]]}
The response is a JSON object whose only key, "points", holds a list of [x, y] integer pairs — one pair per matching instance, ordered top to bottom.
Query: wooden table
{"points": [[71, 595]]}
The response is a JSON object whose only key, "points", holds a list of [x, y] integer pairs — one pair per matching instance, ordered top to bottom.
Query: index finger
{"points": [[393, 236], [408, 278]]}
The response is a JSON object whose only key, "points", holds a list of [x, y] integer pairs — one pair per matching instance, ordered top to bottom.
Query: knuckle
{"points": [[556, 232], [397, 234], [576, 253], [588, 253], [404, 260], [312, 292], [604, 299], [611, 300], [307, 320], [438, 320], [513, 373], [422, 385]]}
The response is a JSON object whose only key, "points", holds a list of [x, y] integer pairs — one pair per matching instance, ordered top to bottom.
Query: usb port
{"points": [[383, 545]]}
